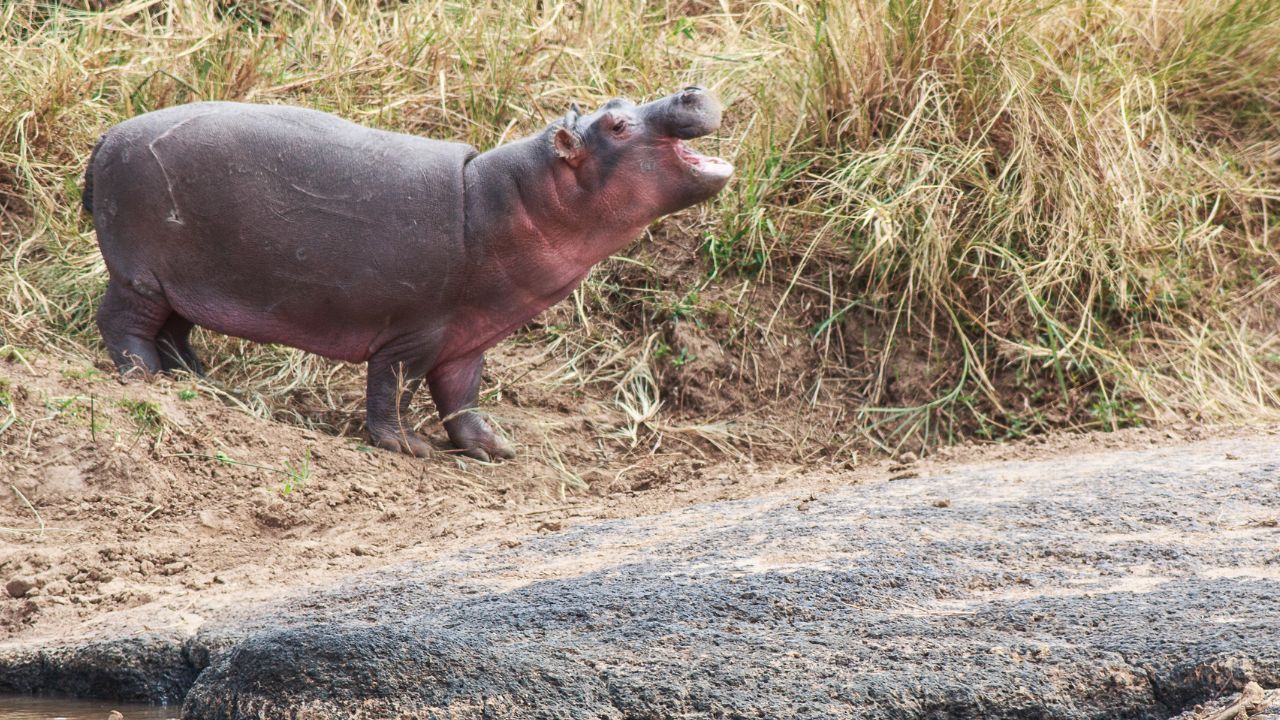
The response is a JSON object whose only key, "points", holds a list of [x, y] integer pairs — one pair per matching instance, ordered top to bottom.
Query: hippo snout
{"points": [[690, 113]]}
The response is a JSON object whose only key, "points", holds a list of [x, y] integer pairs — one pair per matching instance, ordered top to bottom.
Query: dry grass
{"points": [[951, 218]]}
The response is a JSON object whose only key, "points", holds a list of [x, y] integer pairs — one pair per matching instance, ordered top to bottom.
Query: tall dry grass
{"points": [[950, 218]]}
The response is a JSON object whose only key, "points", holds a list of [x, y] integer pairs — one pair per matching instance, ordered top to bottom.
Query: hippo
{"points": [[288, 225]]}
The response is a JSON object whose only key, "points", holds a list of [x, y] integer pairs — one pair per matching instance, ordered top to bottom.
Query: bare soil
{"points": [[139, 506]]}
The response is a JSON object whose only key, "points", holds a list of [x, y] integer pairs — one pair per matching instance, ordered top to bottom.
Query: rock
{"points": [[19, 586], [1098, 587], [155, 669]]}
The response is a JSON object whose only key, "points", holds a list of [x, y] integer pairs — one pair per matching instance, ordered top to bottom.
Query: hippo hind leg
{"points": [[130, 317], [175, 348], [455, 387]]}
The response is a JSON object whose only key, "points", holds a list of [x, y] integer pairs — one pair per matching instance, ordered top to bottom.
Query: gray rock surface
{"points": [[1123, 585], [151, 668]]}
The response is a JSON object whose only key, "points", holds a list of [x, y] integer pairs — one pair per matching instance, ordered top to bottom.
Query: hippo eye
{"points": [[619, 127]]}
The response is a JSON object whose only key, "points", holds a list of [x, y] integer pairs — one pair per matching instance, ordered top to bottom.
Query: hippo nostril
{"points": [[690, 93]]}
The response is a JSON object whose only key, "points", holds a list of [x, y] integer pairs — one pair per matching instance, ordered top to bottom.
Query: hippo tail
{"points": [[86, 195]]}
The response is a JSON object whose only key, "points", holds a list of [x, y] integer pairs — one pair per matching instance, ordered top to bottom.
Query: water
{"points": [[19, 707]]}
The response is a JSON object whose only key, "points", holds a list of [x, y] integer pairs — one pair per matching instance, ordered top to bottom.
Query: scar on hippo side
{"points": [[174, 216]]}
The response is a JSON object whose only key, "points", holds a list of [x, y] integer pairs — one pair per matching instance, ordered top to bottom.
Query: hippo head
{"points": [[631, 162]]}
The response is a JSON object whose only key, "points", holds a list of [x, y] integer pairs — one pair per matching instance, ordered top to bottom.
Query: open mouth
{"points": [[703, 164]]}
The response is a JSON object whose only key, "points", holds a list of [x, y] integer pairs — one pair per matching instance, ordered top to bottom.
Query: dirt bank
{"points": [[149, 505]]}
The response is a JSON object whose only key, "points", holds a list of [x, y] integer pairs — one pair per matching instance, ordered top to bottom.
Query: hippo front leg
{"points": [[391, 386], [455, 387]]}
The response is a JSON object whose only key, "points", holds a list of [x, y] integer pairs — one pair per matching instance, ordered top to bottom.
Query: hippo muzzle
{"points": [[690, 113]]}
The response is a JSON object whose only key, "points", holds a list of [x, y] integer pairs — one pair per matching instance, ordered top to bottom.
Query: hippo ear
{"points": [[570, 119], [568, 144]]}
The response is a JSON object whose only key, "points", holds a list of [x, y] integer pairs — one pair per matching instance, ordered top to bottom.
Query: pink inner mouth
{"points": [[702, 162]]}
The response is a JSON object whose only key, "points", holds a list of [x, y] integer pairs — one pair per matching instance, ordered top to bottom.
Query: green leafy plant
{"points": [[145, 414], [295, 473]]}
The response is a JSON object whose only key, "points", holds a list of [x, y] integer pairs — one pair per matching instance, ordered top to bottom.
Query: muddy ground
{"points": [[140, 510]]}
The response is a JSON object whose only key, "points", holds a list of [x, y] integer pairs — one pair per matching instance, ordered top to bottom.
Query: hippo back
{"points": [[282, 224]]}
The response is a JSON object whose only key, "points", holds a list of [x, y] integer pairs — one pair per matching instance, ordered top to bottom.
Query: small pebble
{"points": [[19, 586]]}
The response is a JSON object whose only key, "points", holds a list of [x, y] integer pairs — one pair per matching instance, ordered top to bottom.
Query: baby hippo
{"points": [[285, 225]]}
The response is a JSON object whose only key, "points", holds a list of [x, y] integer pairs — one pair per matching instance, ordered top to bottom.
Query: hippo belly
{"points": [[281, 224]]}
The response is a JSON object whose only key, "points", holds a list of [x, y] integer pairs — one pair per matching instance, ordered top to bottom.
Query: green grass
{"points": [[950, 219], [7, 406], [146, 415], [295, 473]]}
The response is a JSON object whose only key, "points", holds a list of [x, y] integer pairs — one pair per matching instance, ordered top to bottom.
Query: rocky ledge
{"points": [[1131, 584]]}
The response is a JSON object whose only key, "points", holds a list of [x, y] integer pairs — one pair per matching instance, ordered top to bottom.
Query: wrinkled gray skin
{"points": [[285, 225]]}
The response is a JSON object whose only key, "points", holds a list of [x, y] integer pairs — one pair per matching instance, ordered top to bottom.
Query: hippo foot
{"points": [[134, 375], [473, 437], [407, 443], [499, 450]]}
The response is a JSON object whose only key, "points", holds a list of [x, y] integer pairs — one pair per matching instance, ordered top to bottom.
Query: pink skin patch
{"points": [[703, 164]]}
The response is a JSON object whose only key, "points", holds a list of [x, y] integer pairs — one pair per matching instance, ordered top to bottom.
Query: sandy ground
{"points": [[131, 506]]}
